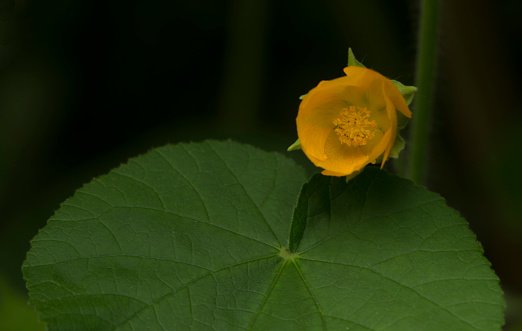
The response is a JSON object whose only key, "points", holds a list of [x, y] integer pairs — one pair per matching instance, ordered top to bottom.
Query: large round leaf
{"points": [[216, 236]]}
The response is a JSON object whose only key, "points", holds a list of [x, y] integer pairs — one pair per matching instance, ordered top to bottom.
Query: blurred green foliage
{"points": [[84, 85], [15, 313]]}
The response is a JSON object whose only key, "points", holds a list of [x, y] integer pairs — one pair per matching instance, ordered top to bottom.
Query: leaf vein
{"points": [[187, 181], [244, 190], [211, 274], [274, 282], [399, 283], [311, 294]]}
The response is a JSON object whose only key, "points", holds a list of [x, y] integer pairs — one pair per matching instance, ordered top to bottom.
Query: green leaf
{"points": [[352, 61], [216, 236], [400, 257]]}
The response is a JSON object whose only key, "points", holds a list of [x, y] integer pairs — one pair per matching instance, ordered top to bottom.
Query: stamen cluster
{"points": [[354, 127]]}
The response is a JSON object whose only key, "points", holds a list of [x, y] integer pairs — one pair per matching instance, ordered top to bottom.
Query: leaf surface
{"points": [[216, 236]]}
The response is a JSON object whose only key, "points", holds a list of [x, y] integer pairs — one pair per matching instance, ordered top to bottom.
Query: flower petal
{"points": [[359, 76], [341, 88], [362, 88], [374, 96], [397, 99], [318, 110], [314, 127], [392, 132], [375, 146], [342, 158], [332, 173]]}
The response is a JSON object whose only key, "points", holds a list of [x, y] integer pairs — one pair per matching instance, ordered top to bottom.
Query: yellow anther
{"points": [[353, 126]]}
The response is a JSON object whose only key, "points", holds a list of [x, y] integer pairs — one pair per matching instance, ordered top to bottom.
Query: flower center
{"points": [[353, 126]]}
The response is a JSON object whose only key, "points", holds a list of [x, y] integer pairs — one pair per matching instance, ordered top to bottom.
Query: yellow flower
{"points": [[345, 123]]}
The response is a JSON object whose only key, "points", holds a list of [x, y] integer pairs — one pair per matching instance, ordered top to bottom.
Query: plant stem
{"points": [[425, 81]]}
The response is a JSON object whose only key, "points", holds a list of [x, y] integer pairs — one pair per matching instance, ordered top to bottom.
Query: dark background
{"points": [[84, 85]]}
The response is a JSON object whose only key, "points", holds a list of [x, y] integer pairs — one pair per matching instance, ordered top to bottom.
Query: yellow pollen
{"points": [[353, 126]]}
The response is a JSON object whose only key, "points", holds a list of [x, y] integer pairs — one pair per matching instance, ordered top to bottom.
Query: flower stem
{"points": [[425, 81]]}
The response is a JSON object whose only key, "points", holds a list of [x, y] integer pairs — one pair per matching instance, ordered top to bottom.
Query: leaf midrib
{"points": [[187, 285]]}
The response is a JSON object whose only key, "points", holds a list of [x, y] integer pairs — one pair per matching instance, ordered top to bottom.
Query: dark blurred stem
{"points": [[243, 76], [425, 81]]}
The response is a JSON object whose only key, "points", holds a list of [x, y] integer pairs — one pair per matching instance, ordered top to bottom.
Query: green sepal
{"points": [[352, 61], [408, 92], [302, 96], [402, 120], [294, 146], [398, 146]]}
